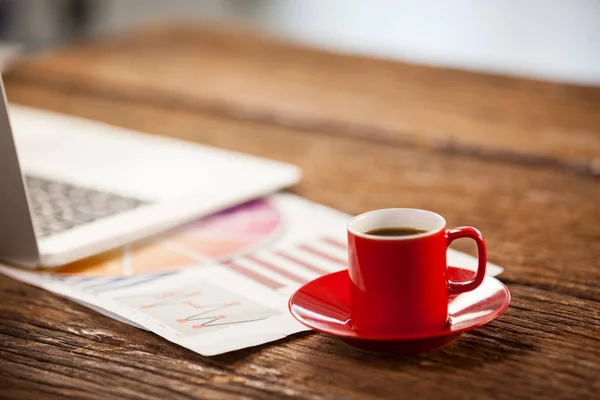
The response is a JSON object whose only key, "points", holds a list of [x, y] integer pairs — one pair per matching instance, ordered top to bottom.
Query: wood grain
{"points": [[249, 76], [540, 221]]}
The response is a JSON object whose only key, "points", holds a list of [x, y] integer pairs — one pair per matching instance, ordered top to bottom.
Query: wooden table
{"points": [[517, 158]]}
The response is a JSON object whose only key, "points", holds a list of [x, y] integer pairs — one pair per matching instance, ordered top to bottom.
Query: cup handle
{"points": [[472, 233]]}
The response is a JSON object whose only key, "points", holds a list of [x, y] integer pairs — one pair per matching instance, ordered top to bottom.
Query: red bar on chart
{"points": [[335, 242], [324, 255], [302, 263], [277, 269], [248, 273]]}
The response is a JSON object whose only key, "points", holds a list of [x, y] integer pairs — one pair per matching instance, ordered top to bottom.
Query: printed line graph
{"points": [[172, 298], [199, 308], [207, 320]]}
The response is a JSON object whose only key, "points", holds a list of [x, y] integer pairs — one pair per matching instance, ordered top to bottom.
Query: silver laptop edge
{"points": [[33, 223], [17, 237]]}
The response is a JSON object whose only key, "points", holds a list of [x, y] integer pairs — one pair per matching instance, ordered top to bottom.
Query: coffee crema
{"points": [[395, 231]]}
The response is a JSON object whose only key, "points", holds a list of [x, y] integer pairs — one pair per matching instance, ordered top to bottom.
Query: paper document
{"points": [[220, 283]]}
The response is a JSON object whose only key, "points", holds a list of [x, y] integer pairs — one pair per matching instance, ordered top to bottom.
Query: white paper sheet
{"points": [[220, 283]]}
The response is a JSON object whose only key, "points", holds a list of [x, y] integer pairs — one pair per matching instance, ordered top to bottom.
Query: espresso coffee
{"points": [[395, 231]]}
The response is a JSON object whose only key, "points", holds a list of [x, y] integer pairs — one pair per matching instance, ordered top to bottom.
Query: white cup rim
{"points": [[426, 220]]}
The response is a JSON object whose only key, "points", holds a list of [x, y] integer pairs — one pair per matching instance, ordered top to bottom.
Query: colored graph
{"points": [[220, 237], [293, 265], [199, 308]]}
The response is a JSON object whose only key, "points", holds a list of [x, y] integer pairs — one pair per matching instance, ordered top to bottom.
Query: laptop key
{"points": [[58, 207]]}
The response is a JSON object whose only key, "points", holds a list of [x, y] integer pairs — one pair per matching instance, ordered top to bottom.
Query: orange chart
{"points": [[219, 237]]}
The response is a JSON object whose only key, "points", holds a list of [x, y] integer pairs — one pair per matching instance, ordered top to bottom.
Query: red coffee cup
{"points": [[399, 283]]}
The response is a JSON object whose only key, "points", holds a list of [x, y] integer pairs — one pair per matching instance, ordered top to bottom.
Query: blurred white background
{"points": [[544, 39]]}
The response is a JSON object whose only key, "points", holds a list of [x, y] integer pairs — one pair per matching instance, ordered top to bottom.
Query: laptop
{"points": [[71, 188]]}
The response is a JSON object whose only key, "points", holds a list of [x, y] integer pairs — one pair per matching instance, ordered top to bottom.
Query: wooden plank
{"points": [[244, 75], [538, 222]]}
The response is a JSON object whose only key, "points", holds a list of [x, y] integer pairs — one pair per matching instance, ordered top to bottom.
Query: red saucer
{"points": [[324, 305]]}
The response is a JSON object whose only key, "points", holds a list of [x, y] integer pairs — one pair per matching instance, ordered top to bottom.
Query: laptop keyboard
{"points": [[58, 207]]}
